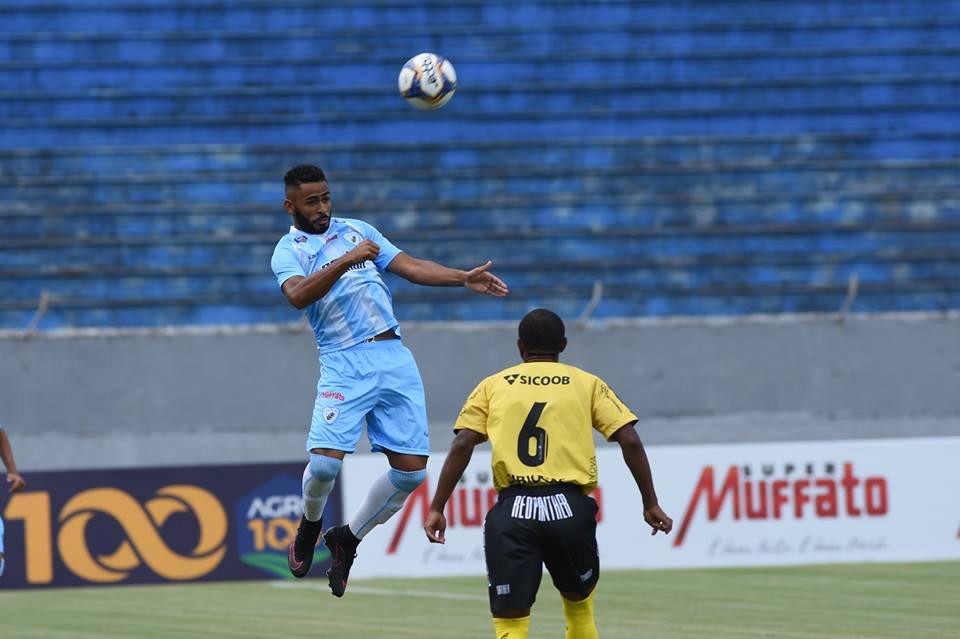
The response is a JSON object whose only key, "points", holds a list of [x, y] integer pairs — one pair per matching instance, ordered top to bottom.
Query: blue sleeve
{"points": [[387, 250], [285, 263]]}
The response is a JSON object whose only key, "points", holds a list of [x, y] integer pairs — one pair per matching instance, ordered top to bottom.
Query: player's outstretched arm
{"points": [[427, 273], [301, 291], [461, 450], [6, 454], [636, 459]]}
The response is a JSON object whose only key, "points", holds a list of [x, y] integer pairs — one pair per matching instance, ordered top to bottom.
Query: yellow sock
{"points": [[579, 614], [512, 628]]}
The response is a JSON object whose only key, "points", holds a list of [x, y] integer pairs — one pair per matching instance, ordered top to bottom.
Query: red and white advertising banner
{"points": [[732, 505]]}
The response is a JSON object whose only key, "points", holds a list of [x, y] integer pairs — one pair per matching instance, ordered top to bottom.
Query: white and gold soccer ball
{"points": [[427, 81]]}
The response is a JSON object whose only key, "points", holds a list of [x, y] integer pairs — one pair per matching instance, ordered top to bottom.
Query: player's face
{"points": [[310, 206]]}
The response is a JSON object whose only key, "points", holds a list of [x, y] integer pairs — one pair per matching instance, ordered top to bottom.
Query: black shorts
{"points": [[535, 525]]}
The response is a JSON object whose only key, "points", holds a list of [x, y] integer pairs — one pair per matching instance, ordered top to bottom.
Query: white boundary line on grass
{"points": [[369, 590]]}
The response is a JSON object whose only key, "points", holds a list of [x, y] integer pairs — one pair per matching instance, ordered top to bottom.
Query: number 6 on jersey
{"points": [[531, 431]]}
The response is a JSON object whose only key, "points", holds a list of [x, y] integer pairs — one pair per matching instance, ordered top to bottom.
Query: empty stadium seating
{"points": [[695, 157]]}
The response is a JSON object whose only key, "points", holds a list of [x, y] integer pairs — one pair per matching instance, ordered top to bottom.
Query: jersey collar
{"points": [[297, 233]]}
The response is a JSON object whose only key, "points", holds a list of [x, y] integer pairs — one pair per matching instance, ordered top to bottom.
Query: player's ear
{"points": [[288, 205], [563, 344]]}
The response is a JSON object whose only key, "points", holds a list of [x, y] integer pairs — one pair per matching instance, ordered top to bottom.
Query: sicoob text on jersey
{"points": [[537, 380]]}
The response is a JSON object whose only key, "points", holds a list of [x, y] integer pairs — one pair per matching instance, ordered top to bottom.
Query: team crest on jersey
{"points": [[352, 237], [300, 239], [330, 414]]}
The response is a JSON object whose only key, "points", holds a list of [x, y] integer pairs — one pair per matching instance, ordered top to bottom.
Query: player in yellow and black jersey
{"points": [[539, 417]]}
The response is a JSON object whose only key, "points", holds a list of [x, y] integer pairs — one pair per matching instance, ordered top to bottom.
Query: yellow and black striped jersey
{"points": [[539, 418]]}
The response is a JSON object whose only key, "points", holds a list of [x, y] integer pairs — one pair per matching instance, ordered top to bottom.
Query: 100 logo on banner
{"points": [[141, 524]]}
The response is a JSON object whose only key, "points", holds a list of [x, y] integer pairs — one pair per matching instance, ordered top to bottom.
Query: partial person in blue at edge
{"points": [[332, 269], [13, 478]]}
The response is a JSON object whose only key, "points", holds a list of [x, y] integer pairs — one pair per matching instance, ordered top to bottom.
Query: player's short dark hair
{"points": [[304, 174], [542, 330]]}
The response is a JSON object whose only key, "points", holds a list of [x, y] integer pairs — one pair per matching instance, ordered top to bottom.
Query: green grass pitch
{"points": [[812, 602]]}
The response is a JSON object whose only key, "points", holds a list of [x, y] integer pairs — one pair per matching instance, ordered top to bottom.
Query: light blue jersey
{"points": [[359, 305]]}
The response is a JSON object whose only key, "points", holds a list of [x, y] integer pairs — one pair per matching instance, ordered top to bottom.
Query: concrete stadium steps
{"points": [[22, 16], [473, 40], [480, 71], [735, 94], [456, 126], [697, 157], [274, 159], [399, 187], [479, 215], [463, 247], [647, 274], [568, 301], [83, 313]]}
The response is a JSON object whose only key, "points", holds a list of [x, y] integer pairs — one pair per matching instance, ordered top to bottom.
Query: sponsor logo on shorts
{"points": [[537, 380], [332, 395], [330, 414], [469, 503], [541, 507], [586, 575], [503, 589]]}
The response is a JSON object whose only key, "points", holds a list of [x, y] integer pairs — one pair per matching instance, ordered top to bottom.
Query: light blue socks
{"points": [[385, 498]]}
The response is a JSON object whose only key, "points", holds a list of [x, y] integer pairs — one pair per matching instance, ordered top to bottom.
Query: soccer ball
{"points": [[427, 81]]}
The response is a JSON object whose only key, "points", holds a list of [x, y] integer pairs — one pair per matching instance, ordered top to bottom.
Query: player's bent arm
{"points": [[430, 273], [301, 291], [461, 450], [635, 457]]}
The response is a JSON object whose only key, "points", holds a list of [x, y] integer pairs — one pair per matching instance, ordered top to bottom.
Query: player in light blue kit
{"points": [[332, 268], [13, 478]]}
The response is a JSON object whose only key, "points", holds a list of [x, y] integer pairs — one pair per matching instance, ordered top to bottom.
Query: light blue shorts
{"points": [[376, 381]]}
